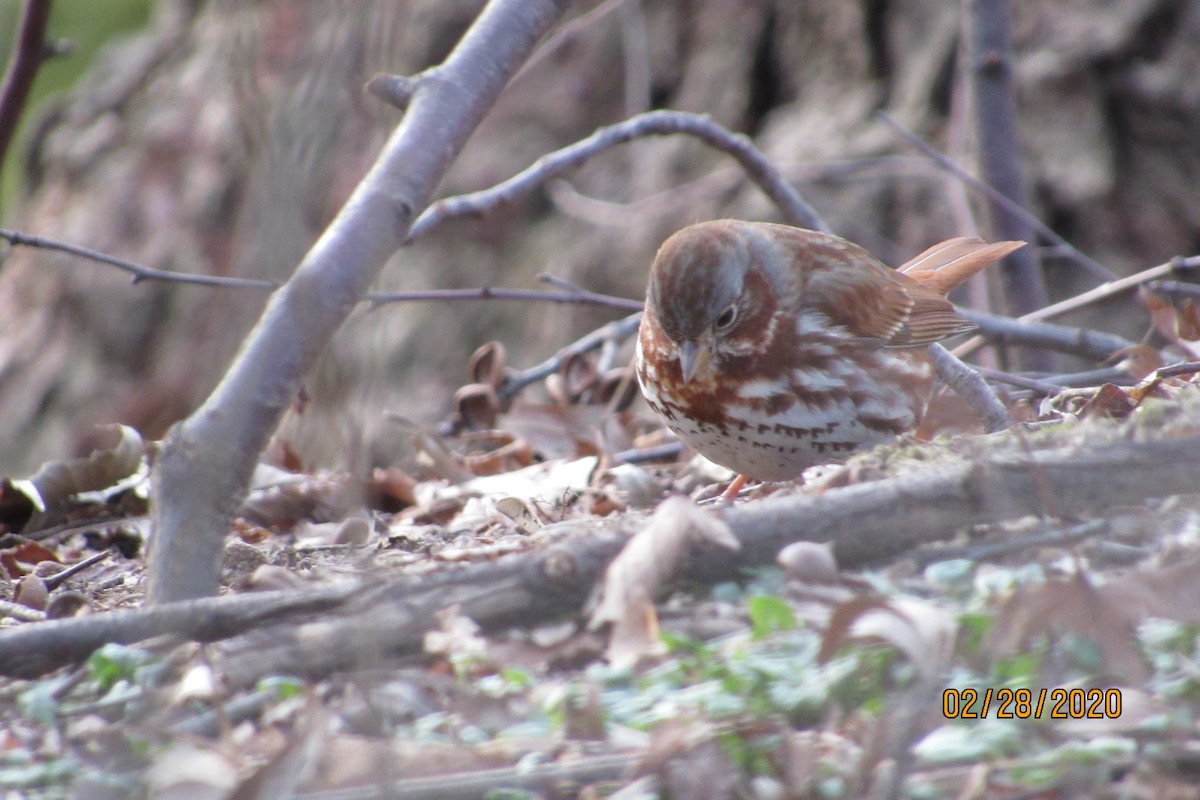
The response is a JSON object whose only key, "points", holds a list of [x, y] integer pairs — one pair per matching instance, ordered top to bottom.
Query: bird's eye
{"points": [[727, 318]]}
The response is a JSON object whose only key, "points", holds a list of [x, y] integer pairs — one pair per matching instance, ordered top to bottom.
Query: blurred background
{"points": [[221, 137]]}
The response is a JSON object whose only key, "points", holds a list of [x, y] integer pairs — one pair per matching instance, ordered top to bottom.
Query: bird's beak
{"points": [[692, 356]]}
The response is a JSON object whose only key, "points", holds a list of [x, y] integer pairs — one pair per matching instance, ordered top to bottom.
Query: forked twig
{"points": [[653, 123]]}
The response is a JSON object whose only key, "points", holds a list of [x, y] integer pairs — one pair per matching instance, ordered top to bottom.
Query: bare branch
{"points": [[568, 32], [29, 51], [990, 61], [654, 123], [948, 164], [1176, 265], [140, 273], [143, 273], [1176, 289], [494, 293], [1004, 326], [618, 331], [1095, 345], [1020, 381], [971, 387], [206, 461]]}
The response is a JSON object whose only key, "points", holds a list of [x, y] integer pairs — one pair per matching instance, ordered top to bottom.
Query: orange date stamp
{"points": [[1031, 703]]}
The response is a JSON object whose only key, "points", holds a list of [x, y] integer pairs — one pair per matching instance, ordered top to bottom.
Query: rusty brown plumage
{"points": [[769, 348]]}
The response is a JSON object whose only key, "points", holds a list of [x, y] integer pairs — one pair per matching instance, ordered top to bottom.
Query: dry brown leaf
{"points": [[1179, 324], [1139, 361], [489, 365], [1109, 402], [478, 406], [559, 431], [516, 454], [102, 469], [393, 484], [634, 485], [47, 491], [279, 499], [520, 512], [24, 552], [635, 576], [32, 592], [1167, 592], [1073, 605], [922, 631], [583, 716], [668, 740], [293, 765]]}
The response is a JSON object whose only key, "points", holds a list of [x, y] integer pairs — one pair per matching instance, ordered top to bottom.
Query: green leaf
{"points": [[770, 614], [116, 662], [281, 687], [961, 743]]}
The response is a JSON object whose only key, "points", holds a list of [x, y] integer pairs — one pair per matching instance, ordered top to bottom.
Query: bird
{"points": [[769, 349]]}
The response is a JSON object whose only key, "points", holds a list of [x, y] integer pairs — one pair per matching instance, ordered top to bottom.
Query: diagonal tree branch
{"points": [[29, 50], [653, 123], [206, 461]]}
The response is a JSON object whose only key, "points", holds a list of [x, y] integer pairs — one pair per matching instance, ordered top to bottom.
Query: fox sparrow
{"points": [[769, 349]]}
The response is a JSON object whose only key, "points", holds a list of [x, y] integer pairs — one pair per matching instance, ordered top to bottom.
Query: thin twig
{"points": [[565, 33], [29, 51], [654, 123], [954, 168], [601, 212], [1175, 265], [140, 272], [1175, 289], [493, 293], [601, 299], [619, 330], [1095, 345], [1179, 370], [1091, 377], [1021, 381], [662, 452], [1058, 537], [57, 578], [9, 608], [208, 723]]}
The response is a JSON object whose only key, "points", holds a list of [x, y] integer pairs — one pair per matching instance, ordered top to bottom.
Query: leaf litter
{"points": [[806, 678]]}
